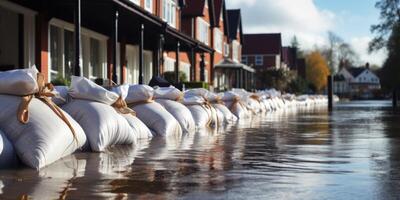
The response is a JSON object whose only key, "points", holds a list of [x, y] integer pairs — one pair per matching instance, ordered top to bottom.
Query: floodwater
{"points": [[351, 153]]}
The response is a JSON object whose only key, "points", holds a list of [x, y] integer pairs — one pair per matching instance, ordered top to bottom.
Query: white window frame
{"points": [[147, 6], [169, 12], [63, 25], [203, 30], [218, 40], [226, 49], [235, 50], [259, 60], [169, 64]]}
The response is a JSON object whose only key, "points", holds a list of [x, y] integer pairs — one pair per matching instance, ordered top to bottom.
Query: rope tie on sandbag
{"points": [[44, 94], [236, 101], [122, 107]]}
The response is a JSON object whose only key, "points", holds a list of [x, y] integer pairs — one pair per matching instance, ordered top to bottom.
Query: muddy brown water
{"points": [[352, 153]]}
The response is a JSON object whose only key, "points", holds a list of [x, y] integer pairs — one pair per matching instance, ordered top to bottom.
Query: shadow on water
{"points": [[350, 153]]}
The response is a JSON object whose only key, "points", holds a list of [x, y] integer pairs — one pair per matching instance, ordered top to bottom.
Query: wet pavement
{"points": [[352, 153]]}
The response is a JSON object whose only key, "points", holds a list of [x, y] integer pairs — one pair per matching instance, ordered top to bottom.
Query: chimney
{"points": [[367, 65]]}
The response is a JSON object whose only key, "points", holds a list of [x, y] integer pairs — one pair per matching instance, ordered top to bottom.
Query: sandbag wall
{"points": [[40, 123]]}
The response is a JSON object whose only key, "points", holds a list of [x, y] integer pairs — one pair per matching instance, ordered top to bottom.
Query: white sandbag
{"points": [[19, 82], [83, 88], [139, 93], [170, 93], [61, 95], [235, 105], [151, 113], [181, 113], [201, 113], [228, 116], [159, 120], [103, 125], [139, 128], [45, 138], [8, 156]]}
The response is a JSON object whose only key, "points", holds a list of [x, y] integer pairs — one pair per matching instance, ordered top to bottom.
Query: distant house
{"points": [[262, 51], [356, 81]]}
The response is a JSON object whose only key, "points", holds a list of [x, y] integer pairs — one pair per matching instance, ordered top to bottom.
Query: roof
{"points": [[194, 8], [235, 23], [267, 43], [230, 64], [356, 71], [339, 77]]}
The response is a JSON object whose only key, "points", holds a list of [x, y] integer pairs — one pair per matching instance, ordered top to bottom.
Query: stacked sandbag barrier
{"points": [[170, 98], [203, 113], [102, 114], [154, 115], [39, 130]]}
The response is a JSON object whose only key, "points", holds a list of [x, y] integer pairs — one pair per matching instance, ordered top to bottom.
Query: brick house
{"points": [[123, 44], [262, 51], [229, 71]]}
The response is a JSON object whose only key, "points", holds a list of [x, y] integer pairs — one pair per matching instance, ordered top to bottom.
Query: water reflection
{"points": [[352, 153]]}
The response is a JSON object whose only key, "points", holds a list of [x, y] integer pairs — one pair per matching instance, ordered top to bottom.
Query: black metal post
{"points": [[78, 39], [115, 46], [177, 51], [159, 54], [141, 57], [193, 65], [202, 67], [330, 93], [394, 98]]}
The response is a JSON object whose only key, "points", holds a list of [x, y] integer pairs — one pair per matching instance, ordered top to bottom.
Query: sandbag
{"points": [[19, 82], [83, 88], [170, 93], [61, 95], [235, 105], [151, 113], [181, 113], [202, 114], [228, 116], [103, 125], [139, 128], [45, 138], [8, 156]]}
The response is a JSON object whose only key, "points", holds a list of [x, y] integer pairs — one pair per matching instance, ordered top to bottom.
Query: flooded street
{"points": [[352, 153]]}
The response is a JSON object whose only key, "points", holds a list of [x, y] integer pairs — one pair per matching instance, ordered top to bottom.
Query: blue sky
{"points": [[310, 20]]}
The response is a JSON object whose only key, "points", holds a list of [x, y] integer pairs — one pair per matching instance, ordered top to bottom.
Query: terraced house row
{"points": [[125, 41]]}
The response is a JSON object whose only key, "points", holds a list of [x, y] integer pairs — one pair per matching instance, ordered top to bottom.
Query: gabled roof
{"points": [[194, 8], [220, 9], [235, 24], [268, 43], [356, 71]]}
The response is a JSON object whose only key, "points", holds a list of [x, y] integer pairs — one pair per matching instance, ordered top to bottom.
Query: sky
{"points": [[310, 21]]}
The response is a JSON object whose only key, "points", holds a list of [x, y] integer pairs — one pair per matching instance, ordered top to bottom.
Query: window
{"points": [[148, 5], [169, 12], [202, 30], [218, 40], [61, 44], [226, 49], [235, 50], [244, 60], [259, 60], [169, 64], [185, 68]]}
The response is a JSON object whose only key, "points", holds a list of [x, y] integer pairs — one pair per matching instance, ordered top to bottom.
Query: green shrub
{"points": [[170, 76], [60, 81], [192, 85]]}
